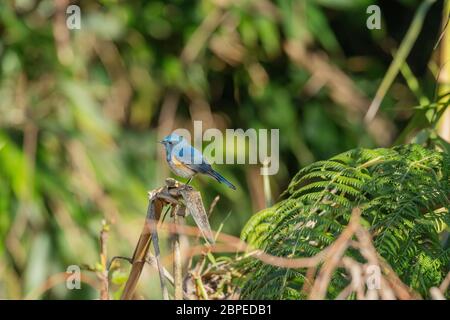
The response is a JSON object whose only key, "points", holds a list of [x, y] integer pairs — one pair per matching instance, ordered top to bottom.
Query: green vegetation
{"points": [[81, 112], [403, 193]]}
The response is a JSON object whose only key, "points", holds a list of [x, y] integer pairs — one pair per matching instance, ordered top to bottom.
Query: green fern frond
{"points": [[403, 192]]}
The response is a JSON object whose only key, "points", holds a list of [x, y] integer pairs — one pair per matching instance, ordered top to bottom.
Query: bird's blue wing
{"points": [[191, 157]]}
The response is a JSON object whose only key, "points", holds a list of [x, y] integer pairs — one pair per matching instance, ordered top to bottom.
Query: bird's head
{"points": [[171, 140]]}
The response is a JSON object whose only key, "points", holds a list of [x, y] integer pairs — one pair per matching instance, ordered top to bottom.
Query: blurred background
{"points": [[81, 112]]}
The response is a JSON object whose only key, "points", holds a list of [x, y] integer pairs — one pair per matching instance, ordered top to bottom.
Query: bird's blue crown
{"points": [[172, 138]]}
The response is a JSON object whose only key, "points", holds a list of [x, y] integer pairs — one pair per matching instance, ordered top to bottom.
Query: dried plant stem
{"points": [[444, 74], [181, 197], [148, 235], [177, 268], [444, 285], [319, 289], [104, 291], [201, 291], [165, 293]]}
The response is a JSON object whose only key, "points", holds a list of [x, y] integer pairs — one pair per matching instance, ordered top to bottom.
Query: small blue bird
{"points": [[186, 161]]}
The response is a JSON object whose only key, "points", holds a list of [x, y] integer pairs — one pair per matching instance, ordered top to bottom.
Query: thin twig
{"points": [[177, 268], [444, 285], [319, 288], [104, 291], [201, 292]]}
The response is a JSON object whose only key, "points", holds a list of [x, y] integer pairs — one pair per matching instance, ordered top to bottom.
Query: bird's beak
{"points": [[162, 142]]}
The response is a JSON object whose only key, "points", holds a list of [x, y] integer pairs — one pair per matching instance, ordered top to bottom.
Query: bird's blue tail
{"points": [[221, 179]]}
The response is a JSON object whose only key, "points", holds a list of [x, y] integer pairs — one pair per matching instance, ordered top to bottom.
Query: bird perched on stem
{"points": [[186, 161]]}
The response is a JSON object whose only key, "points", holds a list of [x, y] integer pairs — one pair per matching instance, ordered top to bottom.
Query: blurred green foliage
{"points": [[81, 111]]}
